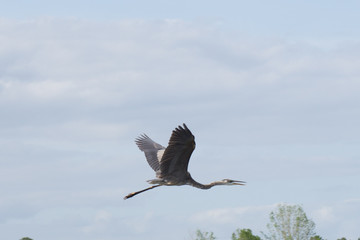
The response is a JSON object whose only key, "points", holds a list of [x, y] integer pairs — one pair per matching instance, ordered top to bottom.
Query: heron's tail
{"points": [[130, 195]]}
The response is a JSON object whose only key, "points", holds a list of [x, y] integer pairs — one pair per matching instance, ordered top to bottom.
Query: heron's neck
{"points": [[204, 186]]}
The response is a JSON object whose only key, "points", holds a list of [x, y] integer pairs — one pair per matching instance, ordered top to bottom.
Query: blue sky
{"points": [[279, 18], [270, 91]]}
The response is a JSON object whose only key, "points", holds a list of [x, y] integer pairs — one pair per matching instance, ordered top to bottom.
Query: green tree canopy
{"points": [[289, 222], [244, 234], [204, 235], [317, 237], [26, 238]]}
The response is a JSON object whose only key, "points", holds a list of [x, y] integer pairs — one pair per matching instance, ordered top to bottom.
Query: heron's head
{"points": [[232, 182]]}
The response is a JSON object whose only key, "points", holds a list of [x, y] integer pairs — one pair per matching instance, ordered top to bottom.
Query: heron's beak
{"points": [[235, 182]]}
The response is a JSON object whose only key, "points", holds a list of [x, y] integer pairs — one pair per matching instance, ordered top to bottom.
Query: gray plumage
{"points": [[151, 150], [171, 163]]}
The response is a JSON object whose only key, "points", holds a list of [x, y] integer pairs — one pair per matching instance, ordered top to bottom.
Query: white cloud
{"points": [[74, 94], [352, 200], [324, 214], [221, 216], [338, 219], [223, 220], [99, 222], [138, 223]]}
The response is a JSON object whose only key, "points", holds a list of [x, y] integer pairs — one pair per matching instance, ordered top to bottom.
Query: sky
{"points": [[269, 89]]}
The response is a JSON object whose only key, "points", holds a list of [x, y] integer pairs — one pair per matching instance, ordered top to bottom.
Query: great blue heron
{"points": [[171, 163]]}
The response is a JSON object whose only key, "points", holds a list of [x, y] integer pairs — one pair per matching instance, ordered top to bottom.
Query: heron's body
{"points": [[171, 163]]}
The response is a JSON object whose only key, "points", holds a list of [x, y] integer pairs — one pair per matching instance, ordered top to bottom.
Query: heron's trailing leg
{"points": [[135, 193]]}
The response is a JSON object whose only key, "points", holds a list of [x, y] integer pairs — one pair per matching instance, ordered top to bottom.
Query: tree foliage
{"points": [[289, 222], [244, 234], [204, 235], [317, 237], [26, 238]]}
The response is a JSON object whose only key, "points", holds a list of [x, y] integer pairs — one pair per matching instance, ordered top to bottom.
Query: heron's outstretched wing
{"points": [[153, 151], [176, 157]]}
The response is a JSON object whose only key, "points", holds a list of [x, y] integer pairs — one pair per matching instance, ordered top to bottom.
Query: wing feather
{"points": [[153, 151], [176, 157]]}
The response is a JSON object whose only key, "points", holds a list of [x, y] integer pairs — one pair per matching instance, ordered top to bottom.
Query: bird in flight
{"points": [[171, 163]]}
